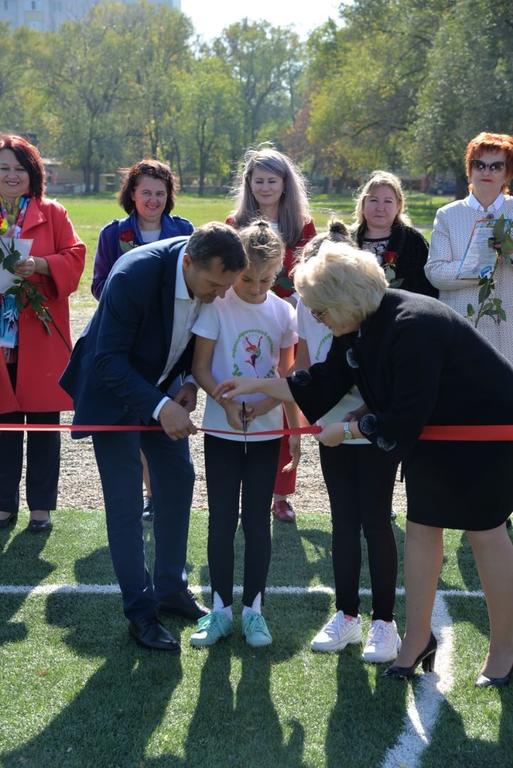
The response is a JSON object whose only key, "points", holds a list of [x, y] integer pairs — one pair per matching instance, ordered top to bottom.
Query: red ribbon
{"points": [[139, 428], [478, 433]]}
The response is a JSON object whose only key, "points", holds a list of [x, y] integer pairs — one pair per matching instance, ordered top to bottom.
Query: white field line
{"points": [[110, 589], [426, 697]]}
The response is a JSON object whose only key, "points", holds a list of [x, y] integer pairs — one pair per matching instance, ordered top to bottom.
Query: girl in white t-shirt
{"points": [[248, 332], [360, 479]]}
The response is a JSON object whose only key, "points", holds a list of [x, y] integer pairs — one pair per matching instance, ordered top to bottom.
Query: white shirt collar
{"points": [[473, 202], [181, 290]]}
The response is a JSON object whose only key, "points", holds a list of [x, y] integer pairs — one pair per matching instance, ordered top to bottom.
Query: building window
{"points": [[6, 5], [33, 5]]}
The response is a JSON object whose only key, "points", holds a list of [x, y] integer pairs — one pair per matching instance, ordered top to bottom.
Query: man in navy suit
{"points": [[137, 343]]}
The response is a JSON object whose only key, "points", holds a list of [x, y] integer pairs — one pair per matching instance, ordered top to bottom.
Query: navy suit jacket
{"points": [[123, 351]]}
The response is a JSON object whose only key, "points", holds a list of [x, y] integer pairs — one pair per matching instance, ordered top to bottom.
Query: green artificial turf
{"points": [[77, 692]]}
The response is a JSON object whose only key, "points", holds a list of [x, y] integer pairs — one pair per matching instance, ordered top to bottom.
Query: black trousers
{"points": [[43, 462], [233, 474], [360, 483]]}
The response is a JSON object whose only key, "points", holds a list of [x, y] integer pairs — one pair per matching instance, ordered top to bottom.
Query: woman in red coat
{"points": [[271, 187], [35, 343]]}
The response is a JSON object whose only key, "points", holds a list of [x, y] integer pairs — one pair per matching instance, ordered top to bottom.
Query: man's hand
{"points": [[187, 396], [175, 421]]}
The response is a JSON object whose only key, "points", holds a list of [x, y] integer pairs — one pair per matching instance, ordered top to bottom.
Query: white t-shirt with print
{"points": [[249, 339], [318, 339]]}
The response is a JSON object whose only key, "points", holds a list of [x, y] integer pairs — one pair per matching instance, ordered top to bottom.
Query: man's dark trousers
{"points": [[172, 480]]}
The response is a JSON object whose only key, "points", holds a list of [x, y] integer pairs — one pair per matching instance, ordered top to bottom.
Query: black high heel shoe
{"points": [[11, 520], [426, 658], [499, 682]]}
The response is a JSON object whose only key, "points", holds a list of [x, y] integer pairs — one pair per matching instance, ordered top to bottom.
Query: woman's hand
{"points": [[25, 267], [230, 388], [355, 415], [332, 435], [295, 453]]}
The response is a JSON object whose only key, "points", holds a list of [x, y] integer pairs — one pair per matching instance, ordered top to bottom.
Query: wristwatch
{"points": [[348, 435]]}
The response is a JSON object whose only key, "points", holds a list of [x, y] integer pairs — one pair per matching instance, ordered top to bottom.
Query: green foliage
{"points": [[266, 63], [467, 83]]}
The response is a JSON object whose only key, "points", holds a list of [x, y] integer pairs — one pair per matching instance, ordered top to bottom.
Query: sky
{"points": [[211, 16]]}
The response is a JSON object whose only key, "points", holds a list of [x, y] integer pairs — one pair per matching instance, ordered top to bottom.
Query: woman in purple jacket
{"points": [[148, 196]]}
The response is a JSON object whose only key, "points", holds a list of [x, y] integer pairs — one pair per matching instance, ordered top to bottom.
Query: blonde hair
{"points": [[382, 179], [262, 244], [347, 281]]}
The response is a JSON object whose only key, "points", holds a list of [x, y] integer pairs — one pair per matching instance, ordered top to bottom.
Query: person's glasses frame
{"points": [[496, 167], [319, 314]]}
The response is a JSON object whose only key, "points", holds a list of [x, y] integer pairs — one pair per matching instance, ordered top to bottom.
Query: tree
{"points": [[159, 42], [266, 62], [86, 68], [365, 78], [468, 85], [210, 114]]}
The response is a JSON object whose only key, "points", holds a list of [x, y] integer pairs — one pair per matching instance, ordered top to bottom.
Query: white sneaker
{"points": [[337, 633], [383, 642]]}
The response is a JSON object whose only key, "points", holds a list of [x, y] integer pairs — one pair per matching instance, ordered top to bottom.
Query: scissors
{"points": [[245, 421]]}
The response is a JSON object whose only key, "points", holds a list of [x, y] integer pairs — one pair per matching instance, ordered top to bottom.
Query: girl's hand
{"points": [[230, 388], [260, 407], [233, 413], [332, 435], [295, 453]]}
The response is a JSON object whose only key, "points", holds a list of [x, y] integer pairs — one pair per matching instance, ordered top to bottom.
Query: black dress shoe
{"points": [[148, 511], [11, 520], [40, 526], [183, 604], [151, 634], [426, 658], [499, 682]]}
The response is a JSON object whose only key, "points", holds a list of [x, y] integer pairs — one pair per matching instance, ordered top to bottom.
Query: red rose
{"points": [[127, 236], [389, 257]]}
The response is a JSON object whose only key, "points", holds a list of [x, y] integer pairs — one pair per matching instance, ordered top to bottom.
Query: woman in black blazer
{"points": [[383, 228], [416, 362]]}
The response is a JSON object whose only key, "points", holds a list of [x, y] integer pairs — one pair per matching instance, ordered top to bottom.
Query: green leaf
{"points": [[498, 230], [484, 292], [470, 310]]}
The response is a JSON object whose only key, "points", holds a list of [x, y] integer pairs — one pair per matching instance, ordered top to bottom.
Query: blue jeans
{"points": [[172, 480]]}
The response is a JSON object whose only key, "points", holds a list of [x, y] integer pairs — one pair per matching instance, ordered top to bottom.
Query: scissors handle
{"points": [[244, 419]]}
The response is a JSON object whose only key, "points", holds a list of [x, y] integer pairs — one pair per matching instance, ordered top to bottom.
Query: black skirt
{"points": [[461, 485]]}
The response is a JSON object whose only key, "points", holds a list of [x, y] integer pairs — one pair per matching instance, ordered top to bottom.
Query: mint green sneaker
{"points": [[211, 628], [255, 629]]}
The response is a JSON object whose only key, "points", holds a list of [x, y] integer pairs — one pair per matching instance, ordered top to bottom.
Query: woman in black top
{"points": [[383, 228], [416, 362]]}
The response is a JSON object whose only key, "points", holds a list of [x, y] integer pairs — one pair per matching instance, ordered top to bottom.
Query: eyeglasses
{"points": [[494, 167], [318, 314]]}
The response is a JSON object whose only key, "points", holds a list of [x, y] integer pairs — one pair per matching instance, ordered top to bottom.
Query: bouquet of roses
{"points": [[491, 306]]}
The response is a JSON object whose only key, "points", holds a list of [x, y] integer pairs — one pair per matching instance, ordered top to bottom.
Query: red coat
{"points": [[42, 356]]}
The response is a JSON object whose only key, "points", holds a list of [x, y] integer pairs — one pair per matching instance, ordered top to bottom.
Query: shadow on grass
{"points": [[21, 563], [367, 703], [488, 710], [115, 711], [240, 727]]}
